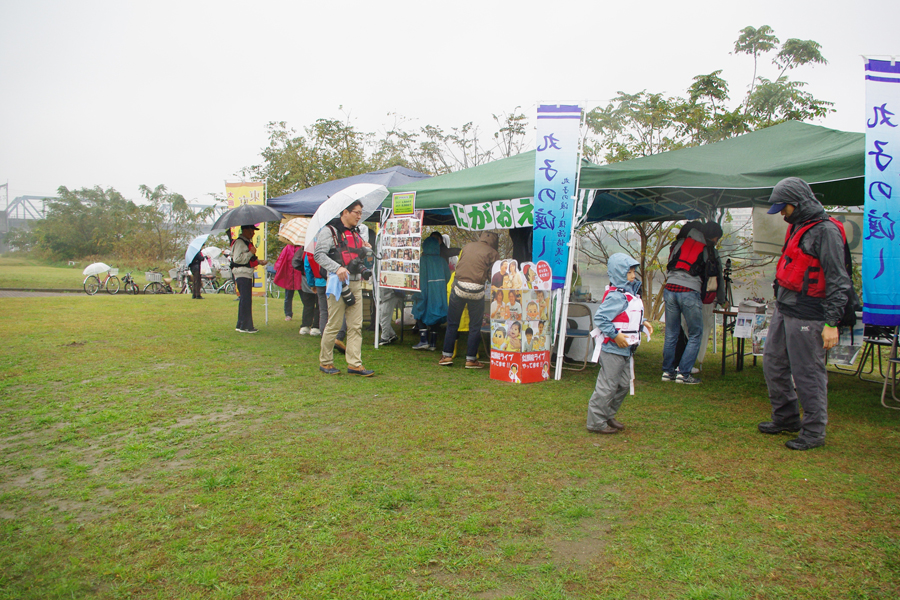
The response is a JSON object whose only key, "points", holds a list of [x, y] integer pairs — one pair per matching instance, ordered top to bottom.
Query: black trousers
{"points": [[196, 283], [245, 306]]}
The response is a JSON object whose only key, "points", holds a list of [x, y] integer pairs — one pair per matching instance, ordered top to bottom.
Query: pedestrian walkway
{"points": [[34, 294]]}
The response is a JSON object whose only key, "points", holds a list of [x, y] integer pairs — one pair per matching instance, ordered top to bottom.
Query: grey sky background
{"points": [[122, 93]]}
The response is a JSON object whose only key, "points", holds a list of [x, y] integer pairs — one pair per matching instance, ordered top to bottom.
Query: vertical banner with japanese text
{"points": [[555, 178], [250, 192], [881, 253]]}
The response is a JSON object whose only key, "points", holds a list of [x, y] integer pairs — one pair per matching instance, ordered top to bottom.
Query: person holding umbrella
{"points": [[335, 245], [243, 263]]}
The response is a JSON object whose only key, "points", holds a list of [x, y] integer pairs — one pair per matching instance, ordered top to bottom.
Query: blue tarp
{"points": [[305, 202]]}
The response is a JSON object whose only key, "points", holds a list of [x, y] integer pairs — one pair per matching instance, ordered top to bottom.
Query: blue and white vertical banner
{"points": [[555, 181], [881, 244]]}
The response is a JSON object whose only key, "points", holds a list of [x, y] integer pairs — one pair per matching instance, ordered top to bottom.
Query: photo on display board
{"points": [[400, 250], [518, 314]]}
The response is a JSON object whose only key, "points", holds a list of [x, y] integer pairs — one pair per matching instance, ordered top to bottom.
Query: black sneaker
{"points": [[668, 376], [688, 379], [773, 428], [805, 443]]}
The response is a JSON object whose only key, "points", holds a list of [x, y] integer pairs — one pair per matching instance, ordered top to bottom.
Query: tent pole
{"points": [[573, 248]]}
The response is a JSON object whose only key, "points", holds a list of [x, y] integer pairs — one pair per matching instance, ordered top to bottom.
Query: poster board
{"points": [[399, 252], [520, 315]]}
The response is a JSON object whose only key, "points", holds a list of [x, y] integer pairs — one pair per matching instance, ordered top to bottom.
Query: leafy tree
{"points": [[754, 42], [84, 223], [164, 229]]}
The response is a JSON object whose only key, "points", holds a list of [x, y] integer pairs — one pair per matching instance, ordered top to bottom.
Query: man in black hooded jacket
{"points": [[811, 291]]}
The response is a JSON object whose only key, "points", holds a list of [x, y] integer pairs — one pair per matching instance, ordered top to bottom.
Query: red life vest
{"points": [[349, 240], [688, 257], [253, 262], [798, 271]]}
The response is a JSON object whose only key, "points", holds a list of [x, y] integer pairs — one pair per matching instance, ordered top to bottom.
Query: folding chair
{"points": [[577, 311], [893, 363]]}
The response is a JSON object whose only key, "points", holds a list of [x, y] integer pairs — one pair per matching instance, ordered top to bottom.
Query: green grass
{"points": [[25, 273], [150, 451]]}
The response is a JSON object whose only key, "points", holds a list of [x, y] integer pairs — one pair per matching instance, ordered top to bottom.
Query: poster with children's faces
{"points": [[400, 250], [519, 316]]}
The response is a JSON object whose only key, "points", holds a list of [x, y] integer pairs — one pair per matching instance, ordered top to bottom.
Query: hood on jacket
{"points": [[796, 192], [490, 238], [431, 245], [618, 266]]}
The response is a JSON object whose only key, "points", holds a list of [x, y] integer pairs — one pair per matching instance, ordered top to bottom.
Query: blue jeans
{"points": [[689, 306]]}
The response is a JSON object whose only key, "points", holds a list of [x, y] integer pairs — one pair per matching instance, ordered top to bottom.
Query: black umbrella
{"points": [[246, 214]]}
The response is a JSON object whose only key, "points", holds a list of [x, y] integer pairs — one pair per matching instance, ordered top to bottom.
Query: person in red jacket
{"points": [[811, 289]]}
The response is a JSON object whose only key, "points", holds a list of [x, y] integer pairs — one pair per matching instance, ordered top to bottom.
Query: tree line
{"points": [[97, 222]]}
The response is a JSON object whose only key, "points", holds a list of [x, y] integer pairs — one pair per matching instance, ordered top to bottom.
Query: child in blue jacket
{"points": [[620, 319]]}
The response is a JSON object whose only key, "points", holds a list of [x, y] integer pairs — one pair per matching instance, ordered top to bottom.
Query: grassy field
{"points": [[26, 273], [150, 451]]}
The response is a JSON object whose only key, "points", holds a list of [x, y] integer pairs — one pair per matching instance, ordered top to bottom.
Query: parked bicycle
{"points": [[93, 283], [223, 283], [158, 284], [129, 285]]}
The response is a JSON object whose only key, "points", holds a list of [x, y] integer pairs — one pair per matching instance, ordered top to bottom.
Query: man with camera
{"points": [[340, 251]]}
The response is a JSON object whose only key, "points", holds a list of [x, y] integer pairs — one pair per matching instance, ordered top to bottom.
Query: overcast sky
{"points": [[123, 93]]}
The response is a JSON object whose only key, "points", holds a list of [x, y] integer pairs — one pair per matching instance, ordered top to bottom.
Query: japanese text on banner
{"points": [[555, 178], [251, 192], [881, 253]]}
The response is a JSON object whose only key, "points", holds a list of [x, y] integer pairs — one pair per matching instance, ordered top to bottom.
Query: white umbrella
{"points": [[371, 195], [211, 252], [96, 269]]}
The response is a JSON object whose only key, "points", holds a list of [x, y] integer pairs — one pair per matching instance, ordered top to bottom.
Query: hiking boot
{"points": [[446, 361], [474, 364], [666, 376], [688, 379], [616, 424], [773, 428], [608, 429], [802, 443]]}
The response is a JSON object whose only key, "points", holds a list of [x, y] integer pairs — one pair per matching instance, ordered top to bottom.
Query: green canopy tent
{"points": [[733, 173], [503, 179], [681, 184]]}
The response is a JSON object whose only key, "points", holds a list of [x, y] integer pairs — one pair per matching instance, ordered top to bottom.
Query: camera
{"points": [[358, 266], [347, 295]]}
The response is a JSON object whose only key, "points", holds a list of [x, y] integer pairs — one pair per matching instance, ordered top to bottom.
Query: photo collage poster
{"points": [[401, 243], [520, 314]]}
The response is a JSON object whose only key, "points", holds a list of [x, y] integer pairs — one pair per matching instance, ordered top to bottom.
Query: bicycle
{"points": [[93, 284], [129, 284], [158, 284], [212, 286], [272, 290]]}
